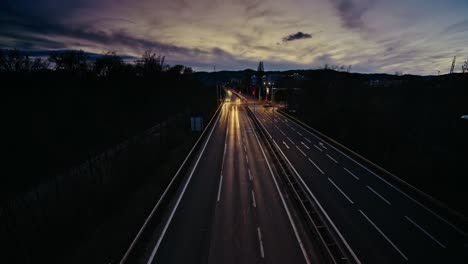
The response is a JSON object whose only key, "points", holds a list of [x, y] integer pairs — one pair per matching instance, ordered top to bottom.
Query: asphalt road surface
{"points": [[230, 209], [379, 222]]}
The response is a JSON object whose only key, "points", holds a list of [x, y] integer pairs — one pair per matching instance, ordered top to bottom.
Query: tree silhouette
{"points": [[13, 61], [70, 61], [150, 63], [108, 65], [465, 67]]}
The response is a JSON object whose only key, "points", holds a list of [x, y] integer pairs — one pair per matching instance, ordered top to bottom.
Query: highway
{"points": [[230, 208], [378, 222]]}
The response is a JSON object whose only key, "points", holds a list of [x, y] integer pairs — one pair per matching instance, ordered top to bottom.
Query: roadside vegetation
{"points": [[91, 142]]}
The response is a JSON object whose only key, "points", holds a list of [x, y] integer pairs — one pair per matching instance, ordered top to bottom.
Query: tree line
{"points": [[108, 64]]}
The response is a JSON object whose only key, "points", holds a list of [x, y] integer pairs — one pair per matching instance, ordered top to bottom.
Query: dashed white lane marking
{"points": [[299, 134], [308, 140], [292, 142], [285, 144], [322, 145], [307, 147], [317, 147], [305, 155], [330, 157], [247, 159], [316, 166], [352, 174], [250, 175], [219, 188], [341, 191], [380, 196], [253, 199], [425, 232], [382, 233], [260, 241]]}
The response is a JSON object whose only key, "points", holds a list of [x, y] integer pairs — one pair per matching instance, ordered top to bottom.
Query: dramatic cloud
{"points": [[351, 11], [297, 36], [418, 36]]}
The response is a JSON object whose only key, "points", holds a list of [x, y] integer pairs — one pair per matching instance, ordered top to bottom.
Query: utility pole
{"points": [[453, 64]]}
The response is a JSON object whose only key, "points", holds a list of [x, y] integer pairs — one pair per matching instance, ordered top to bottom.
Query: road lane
{"points": [[362, 187], [231, 212]]}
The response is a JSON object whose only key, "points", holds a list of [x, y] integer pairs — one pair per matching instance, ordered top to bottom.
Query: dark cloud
{"points": [[351, 12], [459, 27], [33, 32], [297, 36]]}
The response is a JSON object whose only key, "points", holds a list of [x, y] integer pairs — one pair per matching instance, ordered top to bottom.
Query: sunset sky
{"points": [[412, 36]]}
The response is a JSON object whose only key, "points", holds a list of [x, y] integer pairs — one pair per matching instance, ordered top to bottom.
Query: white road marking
{"points": [[292, 128], [282, 132], [299, 134], [308, 140], [292, 142], [286, 144], [322, 145], [307, 147], [317, 147], [245, 149], [301, 151], [330, 157], [247, 159], [316, 166], [352, 174], [250, 175], [385, 181], [219, 188], [341, 191], [376, 193], [253, 199], [425, 232], [163, 233], [296, 233], [386, 238], [262, 253], [356, 259]]}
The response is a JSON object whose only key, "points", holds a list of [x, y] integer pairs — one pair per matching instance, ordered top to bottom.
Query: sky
{"points": [[411, 36]]}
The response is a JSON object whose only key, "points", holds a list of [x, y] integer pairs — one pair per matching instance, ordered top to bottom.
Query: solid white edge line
{"points": [[330, 157], [316, 166], [352, 174], [383, 180], [341, 191], [380, 196], [253, 199], [316, 201], [425, 232], [296, 233], [385, 236], [134, 241], [260, 241], [155, 249]]}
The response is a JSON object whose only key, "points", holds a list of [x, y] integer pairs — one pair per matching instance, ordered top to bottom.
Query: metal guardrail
{"points": [[456, 220], [315, 221], [145, 233]]}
